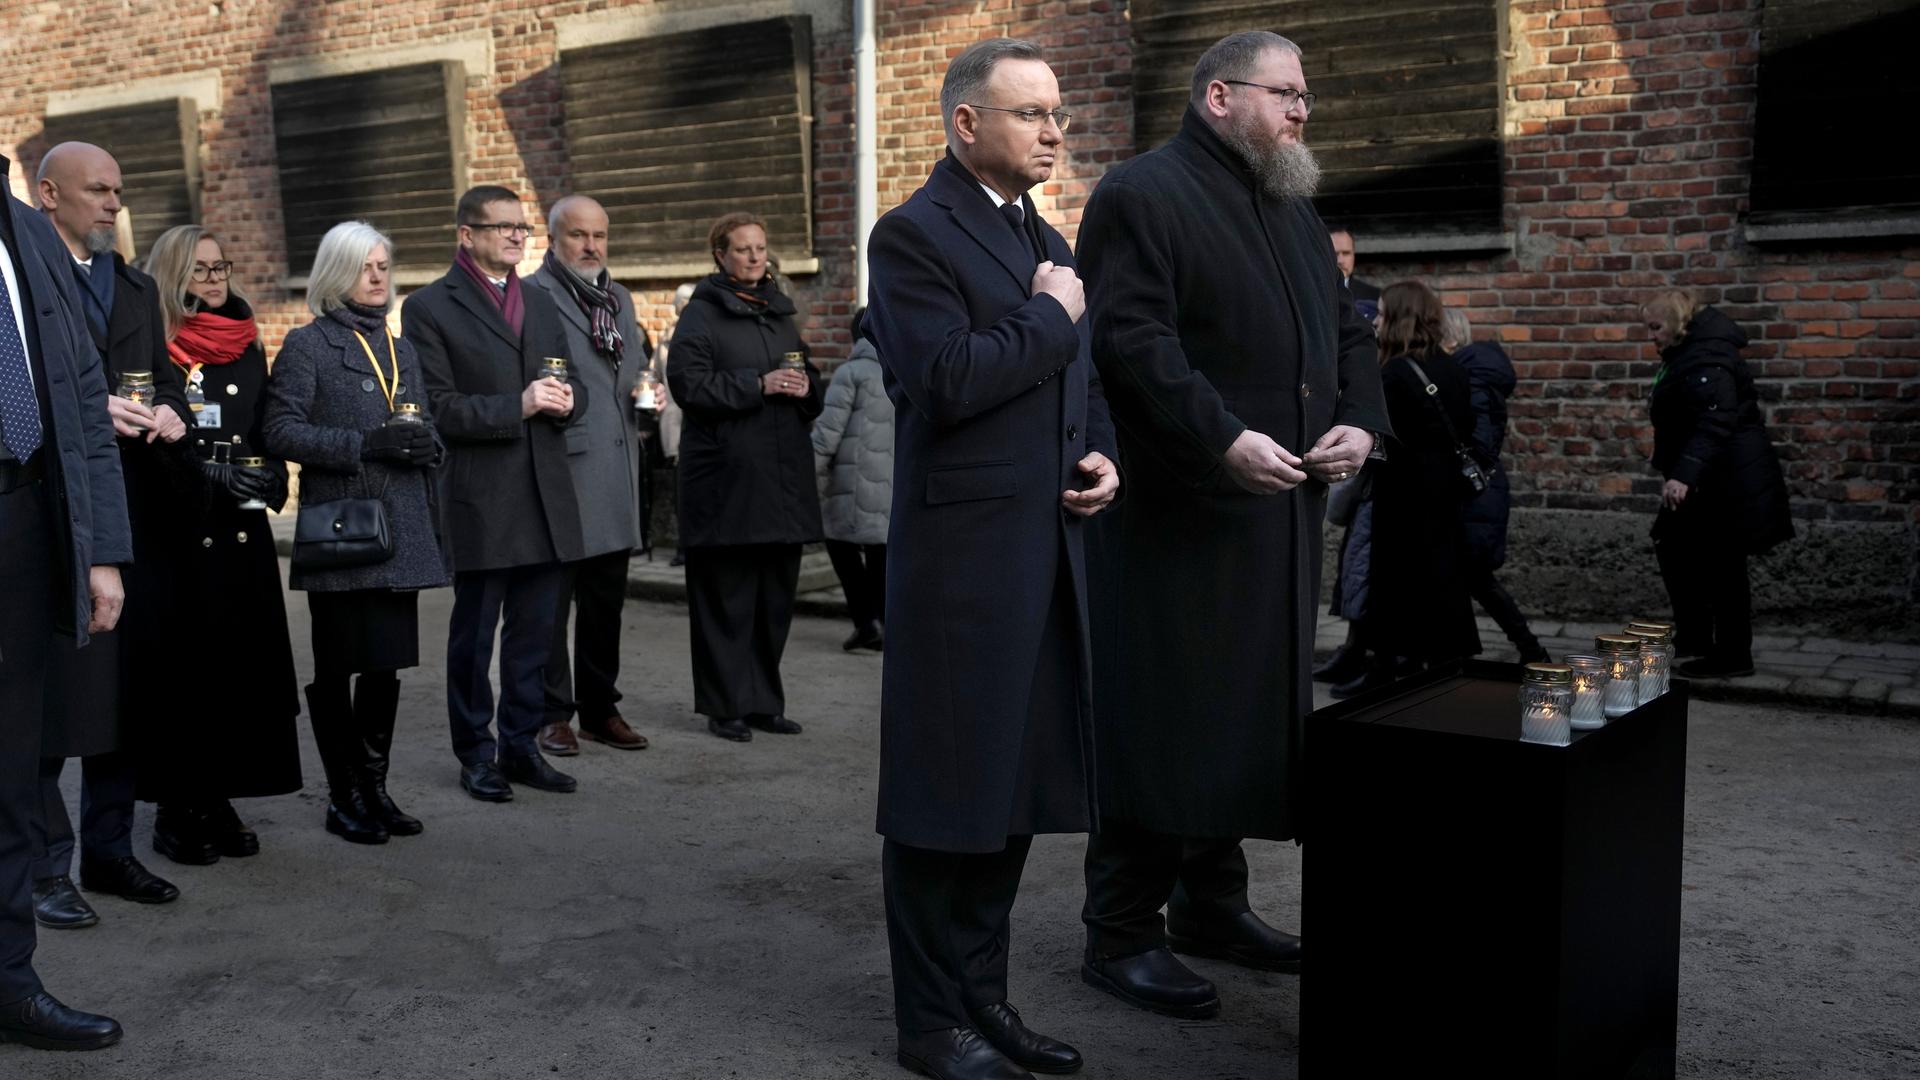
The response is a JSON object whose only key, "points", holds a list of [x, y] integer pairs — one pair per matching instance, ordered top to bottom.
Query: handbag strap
{"points": [[1433, 395]]}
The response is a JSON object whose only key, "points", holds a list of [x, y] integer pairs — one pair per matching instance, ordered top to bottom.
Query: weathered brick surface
{"points": [[1629, 148]]}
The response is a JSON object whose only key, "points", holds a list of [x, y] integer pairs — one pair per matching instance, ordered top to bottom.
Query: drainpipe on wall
{"points": [[865, 120]]}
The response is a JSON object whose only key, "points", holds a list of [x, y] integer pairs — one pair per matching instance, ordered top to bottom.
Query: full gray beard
{"points": [[1285, 170], [100, 241]]}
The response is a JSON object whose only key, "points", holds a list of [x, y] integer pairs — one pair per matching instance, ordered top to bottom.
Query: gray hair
{"points": [[1234, 57], [968, 74], [337, 265], [1455, 329]]}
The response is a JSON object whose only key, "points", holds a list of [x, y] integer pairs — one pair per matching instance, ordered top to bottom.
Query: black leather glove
{"points": [[399, 444], [246, 483]]}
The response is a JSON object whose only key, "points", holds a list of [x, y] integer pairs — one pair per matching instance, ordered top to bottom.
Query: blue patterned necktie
{"points": [[19, 408]]}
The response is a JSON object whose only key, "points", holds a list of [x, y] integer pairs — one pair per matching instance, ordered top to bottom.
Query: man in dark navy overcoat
{"points": [[1003, 449]]}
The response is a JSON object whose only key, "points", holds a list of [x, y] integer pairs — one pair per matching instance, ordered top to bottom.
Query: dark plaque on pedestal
{"points": [[1484, 906]]}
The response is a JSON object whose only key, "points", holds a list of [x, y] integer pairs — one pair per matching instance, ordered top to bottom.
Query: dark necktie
{"points": [[1017, 218], [19, 408]]}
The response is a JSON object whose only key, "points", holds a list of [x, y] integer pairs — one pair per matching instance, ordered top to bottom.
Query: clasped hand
{"points": [[786, 382], [546, 396], [130, 418]]}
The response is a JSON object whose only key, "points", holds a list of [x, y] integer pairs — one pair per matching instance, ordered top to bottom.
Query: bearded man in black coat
{"points": [[1242, 383], [1002, 450]]}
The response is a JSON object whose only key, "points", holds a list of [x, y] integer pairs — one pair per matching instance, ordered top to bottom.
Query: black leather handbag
{"points": [[341, 534]]}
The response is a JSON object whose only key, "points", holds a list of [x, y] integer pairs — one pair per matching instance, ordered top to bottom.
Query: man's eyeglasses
{"points": [[1286, 95], [1032, 117], [509, 229], [219, 271]]}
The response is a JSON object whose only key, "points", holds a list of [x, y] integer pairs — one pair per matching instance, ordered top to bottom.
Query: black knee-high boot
{"points": [[376, 701], [343, 756]]}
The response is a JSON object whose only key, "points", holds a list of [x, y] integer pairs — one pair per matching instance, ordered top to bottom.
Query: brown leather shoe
{"points": [[614, 732], [558, 740]]}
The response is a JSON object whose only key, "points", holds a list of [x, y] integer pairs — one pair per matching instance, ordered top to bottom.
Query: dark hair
{"points": [[1234, 57], [967, 75], [473, 205], [1337, 227], [722, 230], [859, 316], [1412, 320]]}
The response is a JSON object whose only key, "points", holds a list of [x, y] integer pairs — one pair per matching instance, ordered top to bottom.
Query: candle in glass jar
{"points": [[553, 367], [136, 386], [646, 394], [251, 463], [1656, 653], [1589, 686], [1621, 693], [1546, 698]]}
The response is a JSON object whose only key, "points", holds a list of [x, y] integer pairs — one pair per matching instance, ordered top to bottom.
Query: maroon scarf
{"points": [[512, 308]]}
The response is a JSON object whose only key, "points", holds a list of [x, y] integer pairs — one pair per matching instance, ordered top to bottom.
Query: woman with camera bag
{"points": [[1418, 609]]}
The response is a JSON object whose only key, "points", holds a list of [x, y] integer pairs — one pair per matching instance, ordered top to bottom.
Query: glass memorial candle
{"points": [[793, 361], [553, 367], [136, 386], [646, 393], [406, 413], [251, 463], [1661, 633], [1589, 686], [1621, 693], [1546, 704]]}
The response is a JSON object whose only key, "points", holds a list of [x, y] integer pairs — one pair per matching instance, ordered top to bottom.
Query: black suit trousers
{"points": [[595, 595], [525, 597], [739, 610], [26, 633], [107, 785], [1132, 873], [948, 930]]}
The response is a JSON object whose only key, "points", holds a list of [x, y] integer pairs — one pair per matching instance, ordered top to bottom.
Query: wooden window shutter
{"points": [[1407, 125], [670, 132], [157, 144], [386, 147]]}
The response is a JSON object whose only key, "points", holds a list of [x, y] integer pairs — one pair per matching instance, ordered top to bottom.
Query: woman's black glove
{"points": [[400, 444], [266, 485]]}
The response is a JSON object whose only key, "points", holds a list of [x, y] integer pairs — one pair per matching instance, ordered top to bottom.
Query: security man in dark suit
{"points": [[1002, 451], [509, 515], [63, 534]]}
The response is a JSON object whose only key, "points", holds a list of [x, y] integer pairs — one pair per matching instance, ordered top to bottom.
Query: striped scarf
{"points": [[597, 301]]}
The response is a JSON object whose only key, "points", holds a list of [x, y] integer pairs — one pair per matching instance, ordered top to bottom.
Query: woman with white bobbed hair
{"points": [[342, 403]]}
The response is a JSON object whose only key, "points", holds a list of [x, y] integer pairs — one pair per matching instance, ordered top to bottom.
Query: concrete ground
{"points": [[706, 909]]}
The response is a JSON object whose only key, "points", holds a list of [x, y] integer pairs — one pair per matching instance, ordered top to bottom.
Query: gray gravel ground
{"points": [[706, 909]]}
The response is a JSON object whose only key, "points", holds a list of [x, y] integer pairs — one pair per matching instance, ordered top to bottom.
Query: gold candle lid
{"points": [[137, 378], [407, 407], [250, 462], [1663, 631], [1657, 637], [1609, 643], [1549, 674]]}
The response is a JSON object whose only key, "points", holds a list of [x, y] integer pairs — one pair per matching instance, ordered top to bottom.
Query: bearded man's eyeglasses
{"points": [[1286, 95]]}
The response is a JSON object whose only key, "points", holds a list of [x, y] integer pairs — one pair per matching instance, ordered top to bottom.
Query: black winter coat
{"points": [[1215, 309], [1490, 375], [1709, 434], [746, 459], [507, 495], [1418, 605], [233, 734]]}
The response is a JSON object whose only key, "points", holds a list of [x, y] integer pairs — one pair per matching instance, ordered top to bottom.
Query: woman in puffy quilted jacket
{"points": [[853, 446], [1724, 497]]}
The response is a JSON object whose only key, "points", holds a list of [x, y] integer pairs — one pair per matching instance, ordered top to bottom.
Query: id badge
{"points": [[208, 416]]}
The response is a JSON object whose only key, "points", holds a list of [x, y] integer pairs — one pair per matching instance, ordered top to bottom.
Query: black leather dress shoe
{"points": [[867, 636], [1347, 662], [773, 725], [730, 728], [533, 771], [484, 782], [179, 833], [231, 836], [127, 879], [57, 905], [1243, 940], [1154, 980], [43, 1023], [1000, 1025], [957, 1053]]}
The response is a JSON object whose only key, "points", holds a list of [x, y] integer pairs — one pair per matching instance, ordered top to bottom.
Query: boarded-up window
{"points": [[1838, 86], [1407, 127], [670, 132], [157, 145], [386, 147]]}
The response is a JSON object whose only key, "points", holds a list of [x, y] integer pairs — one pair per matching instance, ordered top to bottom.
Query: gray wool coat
{"points": [[321, 401], [603, 446], [853, 449]]}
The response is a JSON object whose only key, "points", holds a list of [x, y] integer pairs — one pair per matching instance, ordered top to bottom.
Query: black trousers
{"points": [[862, 570], [1706, 579], [595, 593], [1496, 601], [520, 603], [739, 610], [26, 633], [106, 812], [1132, 873], [948, 930]]}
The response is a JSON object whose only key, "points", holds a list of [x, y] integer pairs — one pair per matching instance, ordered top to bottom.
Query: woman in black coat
{"points": [[333, 406], [1724, 497], [747, 499], [1418, 609], [235, 737]]}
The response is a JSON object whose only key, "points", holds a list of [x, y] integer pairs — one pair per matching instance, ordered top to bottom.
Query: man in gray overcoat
{"points": [[607, 351], [1242, 382]]}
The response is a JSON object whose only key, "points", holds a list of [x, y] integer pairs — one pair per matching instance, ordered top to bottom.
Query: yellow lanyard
{"points": [[385, 387]]}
